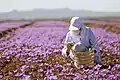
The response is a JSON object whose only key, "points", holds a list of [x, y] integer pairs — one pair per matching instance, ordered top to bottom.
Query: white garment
{"points": [[75, 23], [75, 32], [86, 36], [64, 52]]}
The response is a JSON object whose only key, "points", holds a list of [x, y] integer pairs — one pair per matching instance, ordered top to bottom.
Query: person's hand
{"points": [[69, 44], [66, 49], [92, 50], [65, 53]]}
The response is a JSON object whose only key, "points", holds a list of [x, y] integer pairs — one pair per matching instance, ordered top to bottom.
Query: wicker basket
{"points": [[83, 57]]}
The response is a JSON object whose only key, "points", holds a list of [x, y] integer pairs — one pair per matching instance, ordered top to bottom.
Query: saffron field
{"points": [[31, 50]]}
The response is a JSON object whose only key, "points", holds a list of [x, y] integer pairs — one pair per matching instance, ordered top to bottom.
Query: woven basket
{"points": [[83, 57]]}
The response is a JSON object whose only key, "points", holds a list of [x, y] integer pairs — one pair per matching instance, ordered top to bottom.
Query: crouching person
{"points": [[80, 39]]}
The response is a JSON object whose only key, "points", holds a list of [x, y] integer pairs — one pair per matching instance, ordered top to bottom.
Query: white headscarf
{"points": [[75, 26]]}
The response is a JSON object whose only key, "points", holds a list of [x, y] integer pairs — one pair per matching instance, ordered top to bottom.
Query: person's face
{"points": [[76, 32]]}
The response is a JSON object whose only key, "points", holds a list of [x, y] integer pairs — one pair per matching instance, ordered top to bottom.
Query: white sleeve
{"points": [[67, 39]]}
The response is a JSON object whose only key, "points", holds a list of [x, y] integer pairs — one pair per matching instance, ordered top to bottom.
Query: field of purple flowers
{"points": [[31, 50]]}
